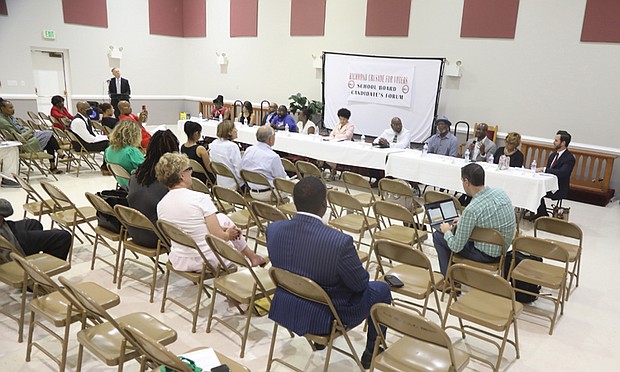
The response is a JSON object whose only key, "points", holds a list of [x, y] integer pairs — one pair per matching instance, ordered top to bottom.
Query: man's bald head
{"points": [[82, 107], [124, 107], [396, 124]]}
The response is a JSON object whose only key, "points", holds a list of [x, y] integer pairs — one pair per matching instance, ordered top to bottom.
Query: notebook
{"points": [[440, 212]]}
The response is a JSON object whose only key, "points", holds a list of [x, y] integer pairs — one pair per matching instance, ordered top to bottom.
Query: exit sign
{"points": [[49, 34]]}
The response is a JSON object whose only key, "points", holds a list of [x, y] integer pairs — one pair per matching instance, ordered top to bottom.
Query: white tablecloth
{"points": [[524, 187]]}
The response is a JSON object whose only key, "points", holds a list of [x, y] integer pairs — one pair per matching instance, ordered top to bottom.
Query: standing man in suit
{"points": [[118, 90], [561, 163], [305, 246]]}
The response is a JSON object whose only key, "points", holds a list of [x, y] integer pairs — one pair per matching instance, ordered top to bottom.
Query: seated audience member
{"points": [[125, 109], [59, 111], [273, 111], [220, 112], [246, 116], [282, 119], [108, 120], [305, 125], [82, 127], [395, 137], [37, 140], [513, 140], [443, 142], [481, 148], [123, 149], [224, 150], [195, 151], [262, 159], [561, 163], [144, 189], [489, 207], [194, 213], [28, 236], [305, 246]]}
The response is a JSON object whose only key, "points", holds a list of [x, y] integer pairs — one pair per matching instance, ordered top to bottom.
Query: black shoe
{"points": [[9, 183], [318, 347], [367, 358]]}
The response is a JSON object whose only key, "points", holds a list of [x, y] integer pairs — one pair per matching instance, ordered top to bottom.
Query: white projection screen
{"points": [[377, 88]]}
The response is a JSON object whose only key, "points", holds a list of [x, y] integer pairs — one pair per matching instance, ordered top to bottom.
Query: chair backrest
{"points": [[34, 116], [289, 166], [197, 167], [220, 169], [306, 169], [118, 171], [255, 177], [351, 179], [198, 185], [284, 185], [394, 186], [31, 192], [229, 196], [433, 196], [59, 198], [344, 200], [99, 204], [266, 211], [393, 211], [130, 217], [558, 227], [173, 233], [490, 236], [540, 247], [6, 249], [401, 253], [39, 277], [480, 279], [412, 325], [153, 350]]}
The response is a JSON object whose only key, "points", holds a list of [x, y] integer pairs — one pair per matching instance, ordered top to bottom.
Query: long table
{"points": [[524, 187]]}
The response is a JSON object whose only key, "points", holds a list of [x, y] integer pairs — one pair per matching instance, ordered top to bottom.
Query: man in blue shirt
{"points": [[283, 118], [443, 142]]}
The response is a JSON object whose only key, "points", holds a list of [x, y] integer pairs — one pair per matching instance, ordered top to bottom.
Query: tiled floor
{"points": [[584, 338]]}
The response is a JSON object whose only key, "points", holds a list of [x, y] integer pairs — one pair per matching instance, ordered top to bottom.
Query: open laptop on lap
{"points": [[440, 212]]}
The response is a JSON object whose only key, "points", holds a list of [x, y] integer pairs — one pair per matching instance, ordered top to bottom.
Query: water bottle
{"points": [[200, 115], [286, 128], [363, 139], [425, 149], [467, 154], [491, 159], [502, 162], [507, 162], [533, 167]]}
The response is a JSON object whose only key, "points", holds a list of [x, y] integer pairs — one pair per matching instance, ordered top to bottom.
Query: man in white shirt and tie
{"points": [[118, 90], [395, 137]]}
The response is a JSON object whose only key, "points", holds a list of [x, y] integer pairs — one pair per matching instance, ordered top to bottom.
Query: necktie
{"points": [[118, 85], [395, 138], [554, 160]]}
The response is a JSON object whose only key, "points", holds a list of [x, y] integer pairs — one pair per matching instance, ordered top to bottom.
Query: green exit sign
{"points": [[49, 34]]}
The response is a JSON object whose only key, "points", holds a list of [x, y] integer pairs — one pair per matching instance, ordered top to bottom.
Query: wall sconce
{"points": [[115, 52], [222, 60], [317, 61], [454, 69]]}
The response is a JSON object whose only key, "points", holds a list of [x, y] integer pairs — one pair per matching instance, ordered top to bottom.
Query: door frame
{"points": [[65, 66]]}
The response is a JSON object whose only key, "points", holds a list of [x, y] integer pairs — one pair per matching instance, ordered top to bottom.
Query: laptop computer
{"points": [[440, 212]]}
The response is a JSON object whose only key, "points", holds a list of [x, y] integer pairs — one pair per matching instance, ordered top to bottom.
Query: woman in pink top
{"points": [[343, 131]]}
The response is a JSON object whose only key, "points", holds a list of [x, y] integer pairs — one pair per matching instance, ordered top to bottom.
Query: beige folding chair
{"points": [[34, 117], [46, 119], [98, 127], [81, 154], [33, 158], [289, 167], [199, 168], [220, 169], [305, 169], [119, 172], [259, 179], [355, 181], [284, 188], [399, 192], [432, 196], [34, 204], [267, 213], [241, 214], [69, 216], [130, 217], [356, 221], [558, 228], [101, 232], [408, 232], [174, 234], [489, 236], [414, 269], [544, 274], [12, 275], [244, 286], [308, 290], [50, 302], [490, 304], [106, 339], [424, 347], [154, 354]]}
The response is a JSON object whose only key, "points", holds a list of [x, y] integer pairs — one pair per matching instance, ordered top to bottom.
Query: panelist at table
{"points": [[282, 119], [305, 125], [343, 131], [394, 137], [513, 140], [443, 142], [481, 148]]}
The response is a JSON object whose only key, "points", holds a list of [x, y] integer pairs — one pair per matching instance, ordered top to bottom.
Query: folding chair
{"points": [[81, 154], [32, 158], [199, 168], [290, 168], [220, 169], [305, 169], [119, 173], [259, 179], [355, 181], [284, 188], [399, 192], [432, 196], [35, 204], [101, 206], [267, 213], [241, 214], [68, 216], [130, 217], [561, 228], [408, 232], [175, 234], [489, 236], [414, 269], [543, 274], [12, 275], [244, 286], [308, 290], [52, 303], [490, 304], [106, 339], [424, 347], [154, 354]]}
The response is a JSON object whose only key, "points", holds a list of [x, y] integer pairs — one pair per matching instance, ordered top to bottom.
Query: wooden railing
{"points": [[591, 176]]}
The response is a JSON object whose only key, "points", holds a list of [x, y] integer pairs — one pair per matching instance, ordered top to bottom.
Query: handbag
{"points": [[112, 197], [190, 363]]}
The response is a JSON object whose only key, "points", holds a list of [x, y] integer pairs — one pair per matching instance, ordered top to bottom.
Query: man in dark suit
{"points": [[118, 90], [561, 163], [305, 246]]}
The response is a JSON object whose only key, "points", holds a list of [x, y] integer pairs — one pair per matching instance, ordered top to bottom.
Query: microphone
{"points": [[107, 81]]}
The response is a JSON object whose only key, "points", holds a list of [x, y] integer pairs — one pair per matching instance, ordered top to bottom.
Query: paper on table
{"points": [[204, 358]]}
